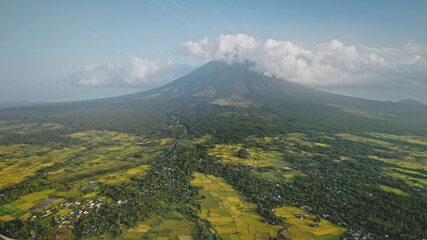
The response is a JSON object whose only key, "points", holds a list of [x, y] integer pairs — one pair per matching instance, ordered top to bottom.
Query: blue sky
{"points": [[48, 47]]}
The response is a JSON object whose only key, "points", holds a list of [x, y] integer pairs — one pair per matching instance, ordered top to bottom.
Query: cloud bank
{"points": [[331, 64], [137, 72]]}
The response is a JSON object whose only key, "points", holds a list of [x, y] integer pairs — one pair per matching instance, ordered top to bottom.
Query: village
{"points": [[67, 212]]}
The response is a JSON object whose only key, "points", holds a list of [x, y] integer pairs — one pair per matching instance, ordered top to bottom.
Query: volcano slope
{"points": [[213, 155]]}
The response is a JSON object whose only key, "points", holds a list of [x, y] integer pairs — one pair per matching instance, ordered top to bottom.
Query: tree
{"points": [[242, 153]]}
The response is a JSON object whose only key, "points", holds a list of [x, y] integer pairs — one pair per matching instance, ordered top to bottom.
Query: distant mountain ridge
{"points": [[411, 102]]}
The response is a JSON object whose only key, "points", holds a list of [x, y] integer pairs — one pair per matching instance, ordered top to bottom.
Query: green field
{"points": [[393, 190], [19, 207], [229, 213]]}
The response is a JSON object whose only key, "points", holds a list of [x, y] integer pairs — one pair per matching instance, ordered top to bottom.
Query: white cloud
{"points": [[225, 47], [331, 64], [142, 71], [137, 72], [98, 75]]}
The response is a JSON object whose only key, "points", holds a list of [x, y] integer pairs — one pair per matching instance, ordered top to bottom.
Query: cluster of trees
{"points": [[242, 153], [36, 183], [17, 229]]}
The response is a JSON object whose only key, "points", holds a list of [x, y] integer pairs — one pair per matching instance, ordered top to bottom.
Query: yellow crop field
{"points": [[355, 138], [97, 152], [257, 157], [22, 161], [403, 163], [290, 174], [124, 175], [412, 181], [91, 195], [32, 197], [25, 206], [231, 216], [6, 218], [140, 228], [159, 228], [303, 228]]}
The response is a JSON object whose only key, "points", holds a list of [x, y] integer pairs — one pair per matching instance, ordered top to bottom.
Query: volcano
{"points": [[237, 85]]}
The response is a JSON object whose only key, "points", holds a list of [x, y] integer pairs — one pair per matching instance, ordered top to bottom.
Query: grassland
{"points": [[235, 102], [25, 128], [124, 175], [418, 182], [394, 190], [19, 207], [229, 213], [170, 228], [304, 228]]}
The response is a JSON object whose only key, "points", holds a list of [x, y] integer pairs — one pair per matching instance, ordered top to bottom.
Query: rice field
{"points": [[355, 138], [405, 138], [98, 151], [257, 157], [20, 161], [124, 175], [410, 180], [393, 190], [19, 207], [229, 213], [172, 228], [305, 228]]}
